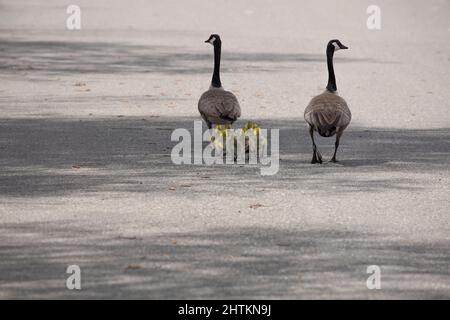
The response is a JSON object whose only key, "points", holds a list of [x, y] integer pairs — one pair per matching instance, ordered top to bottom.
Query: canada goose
{"points": [[216, 105], [328, 113]]}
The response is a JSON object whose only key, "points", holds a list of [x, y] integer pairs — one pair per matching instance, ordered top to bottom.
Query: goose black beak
{"points": [[206, 41], [344, 47]]}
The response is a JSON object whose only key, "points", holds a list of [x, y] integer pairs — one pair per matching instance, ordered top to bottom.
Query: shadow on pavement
{"points": [[65, 57], [41, 157], [247, 263]]}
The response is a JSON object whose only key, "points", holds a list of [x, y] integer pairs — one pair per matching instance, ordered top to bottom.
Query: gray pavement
{"points": [[86, 176]]}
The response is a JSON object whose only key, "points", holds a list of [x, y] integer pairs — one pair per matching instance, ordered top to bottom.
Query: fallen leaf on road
{"points": [[76, 167], [172, 189], [256, 206], [128, 238], [283, 244], [133, 267]]}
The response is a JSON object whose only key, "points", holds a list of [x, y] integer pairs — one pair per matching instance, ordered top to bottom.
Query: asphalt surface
{"points": [[86, 176]]}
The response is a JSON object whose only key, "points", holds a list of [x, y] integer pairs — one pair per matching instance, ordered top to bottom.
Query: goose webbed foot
{"points": [[317, 158], [334, 160]]}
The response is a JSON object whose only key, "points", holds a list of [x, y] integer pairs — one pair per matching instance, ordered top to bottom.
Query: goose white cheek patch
{"points": [[212, 40], [336, 46]]}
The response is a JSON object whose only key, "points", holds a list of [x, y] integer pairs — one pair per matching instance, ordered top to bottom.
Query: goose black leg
{"points": [[208, 123], [336, 146], [317, 157]]}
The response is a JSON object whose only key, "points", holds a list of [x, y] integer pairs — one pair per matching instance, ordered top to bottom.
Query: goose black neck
{"points": [[216, 75], [331, 77]]}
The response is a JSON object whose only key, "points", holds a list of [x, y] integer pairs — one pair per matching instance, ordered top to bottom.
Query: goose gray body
{"points": [[217, 106], [328, 113]]}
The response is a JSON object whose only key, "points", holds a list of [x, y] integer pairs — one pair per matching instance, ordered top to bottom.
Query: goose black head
{"points": [[214, 39], [335, 45]]}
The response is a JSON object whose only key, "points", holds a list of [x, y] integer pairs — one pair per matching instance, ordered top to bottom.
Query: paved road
{"points": [[86, 176]]}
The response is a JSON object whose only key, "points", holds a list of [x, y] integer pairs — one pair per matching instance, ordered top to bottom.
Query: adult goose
{"points": [[216, 105], [328, 113]]}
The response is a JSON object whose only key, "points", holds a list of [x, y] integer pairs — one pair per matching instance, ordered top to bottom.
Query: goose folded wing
{"points": [[223, 105]]}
